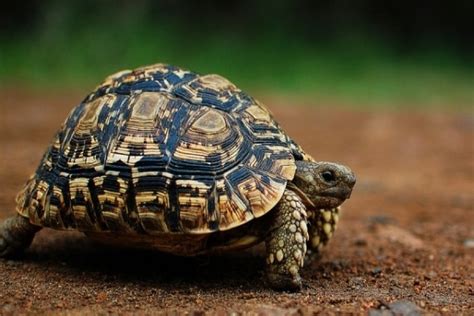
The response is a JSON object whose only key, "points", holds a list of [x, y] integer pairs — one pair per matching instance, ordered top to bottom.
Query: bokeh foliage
{"points": [[368, 52]]}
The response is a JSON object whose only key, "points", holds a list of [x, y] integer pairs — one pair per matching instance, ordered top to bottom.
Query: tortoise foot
{"points": [[16, 234], [8, 249], [284, 282]]}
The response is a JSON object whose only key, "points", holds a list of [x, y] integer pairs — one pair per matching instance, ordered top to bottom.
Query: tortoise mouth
{"points": [[341, 192], [332, 197], [329, 198], [327, 201]]}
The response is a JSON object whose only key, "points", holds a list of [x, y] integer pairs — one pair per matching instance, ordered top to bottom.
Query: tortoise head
{"points": [[324, 184]]}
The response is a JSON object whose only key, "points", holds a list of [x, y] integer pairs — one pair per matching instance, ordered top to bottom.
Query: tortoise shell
{"points": [[161, 149]]}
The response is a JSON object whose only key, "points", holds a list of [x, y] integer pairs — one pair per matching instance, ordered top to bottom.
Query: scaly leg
{"points": [[322, 224], [16, 234], [286, 243]]}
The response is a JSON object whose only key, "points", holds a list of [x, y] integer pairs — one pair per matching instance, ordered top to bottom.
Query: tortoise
{"points": [[164, 158]]}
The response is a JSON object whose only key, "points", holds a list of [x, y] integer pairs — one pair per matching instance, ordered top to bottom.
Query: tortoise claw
{"points": [[285, 282]]}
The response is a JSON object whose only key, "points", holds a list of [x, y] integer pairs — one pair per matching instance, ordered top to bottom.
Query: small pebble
{"points": [[381, 219], [360, 242], [469, 243], [376, 271], [431, 275], [402, 308]]}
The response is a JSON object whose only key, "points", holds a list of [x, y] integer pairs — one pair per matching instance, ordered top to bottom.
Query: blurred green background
{"points": [[367, 53]]}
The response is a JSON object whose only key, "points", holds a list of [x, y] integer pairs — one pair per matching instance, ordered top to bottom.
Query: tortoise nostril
{"points": [[328, 176]]}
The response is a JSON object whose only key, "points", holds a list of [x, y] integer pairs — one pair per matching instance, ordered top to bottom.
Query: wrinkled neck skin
{"points": [[304, 198]]}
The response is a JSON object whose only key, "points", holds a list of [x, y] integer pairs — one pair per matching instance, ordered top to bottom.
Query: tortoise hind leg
{"points": [[16, 234]]}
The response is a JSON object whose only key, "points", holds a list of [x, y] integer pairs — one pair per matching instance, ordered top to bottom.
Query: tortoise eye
{"points": [[328, 176]]}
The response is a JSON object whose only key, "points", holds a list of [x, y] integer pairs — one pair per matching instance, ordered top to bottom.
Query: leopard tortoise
{"points": [[165, 158]]}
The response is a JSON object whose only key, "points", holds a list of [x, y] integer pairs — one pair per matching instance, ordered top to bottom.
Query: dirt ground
{"points": [[406, 236]]}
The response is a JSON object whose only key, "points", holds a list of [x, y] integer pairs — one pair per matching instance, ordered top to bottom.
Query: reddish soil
{"points": [[406, 235]]}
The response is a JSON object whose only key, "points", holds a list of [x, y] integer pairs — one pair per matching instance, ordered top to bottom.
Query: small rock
{"points": [[381, 219], [401, 236], [360, 242], [469, 243], [338, 264], [376, 271], [432, 274], [399, 308], [404, 308], [273, 310], [380, 312]]}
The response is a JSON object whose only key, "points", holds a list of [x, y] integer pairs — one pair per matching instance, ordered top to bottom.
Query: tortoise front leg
{"points": [[322, 224], [16, 234], [286, 243]]}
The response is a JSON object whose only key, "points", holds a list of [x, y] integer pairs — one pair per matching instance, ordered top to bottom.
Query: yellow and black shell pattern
{"points": [[161, 149]]}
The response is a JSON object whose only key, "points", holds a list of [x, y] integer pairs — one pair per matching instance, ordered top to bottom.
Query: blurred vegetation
{"points": [[363, 52]]}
